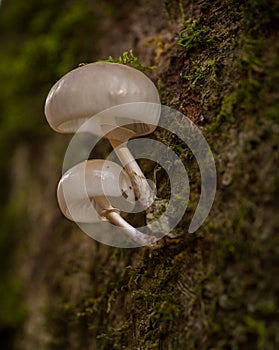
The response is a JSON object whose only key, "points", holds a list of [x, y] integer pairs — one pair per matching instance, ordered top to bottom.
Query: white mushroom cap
{"points": [[85, 91], [88, 180]]}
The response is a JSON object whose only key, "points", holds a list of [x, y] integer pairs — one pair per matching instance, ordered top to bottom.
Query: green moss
{"points": [[175, 9], [265, 10], [194, 35], [128, 58], [200, 72], [195, 76], [243, 97], [272, 112], [259, 328]]}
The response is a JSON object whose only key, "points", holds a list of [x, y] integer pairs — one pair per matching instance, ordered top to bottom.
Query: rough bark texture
{"points": [[216, 62]]}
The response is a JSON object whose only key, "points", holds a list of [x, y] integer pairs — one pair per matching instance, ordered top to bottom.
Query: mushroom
{"points": [[90, 93], [95, 191]]}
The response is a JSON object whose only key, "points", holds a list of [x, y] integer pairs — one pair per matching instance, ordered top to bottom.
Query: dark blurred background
{"points": [[39, 42], [216, 62]]}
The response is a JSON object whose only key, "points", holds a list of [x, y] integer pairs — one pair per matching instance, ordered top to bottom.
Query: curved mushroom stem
{"points": [[118, 138], [143, 191], [112, 215], [140, 238]]}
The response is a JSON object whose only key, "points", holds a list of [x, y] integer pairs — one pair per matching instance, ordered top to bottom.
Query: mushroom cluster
{"points": [[120, 103]]}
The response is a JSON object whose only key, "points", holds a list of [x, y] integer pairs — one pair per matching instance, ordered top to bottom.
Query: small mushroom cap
{"points": [[85, 91], [90, 179]]}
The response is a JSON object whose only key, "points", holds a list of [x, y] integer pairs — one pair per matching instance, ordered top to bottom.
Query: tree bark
{"points": [[217, 288]]}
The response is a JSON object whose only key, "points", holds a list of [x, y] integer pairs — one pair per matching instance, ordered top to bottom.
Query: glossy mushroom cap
{"points": [[88, 90], [94, 179]]}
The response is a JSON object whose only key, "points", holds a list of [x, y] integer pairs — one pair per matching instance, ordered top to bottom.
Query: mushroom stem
{"points": [[143, 191], [112, 215], [137, 236]]}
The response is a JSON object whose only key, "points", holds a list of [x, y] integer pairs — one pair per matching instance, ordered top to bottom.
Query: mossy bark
{"points": [[217, 63]]}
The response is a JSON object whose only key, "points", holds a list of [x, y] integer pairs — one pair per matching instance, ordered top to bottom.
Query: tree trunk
{"points": [[217, 288]]}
